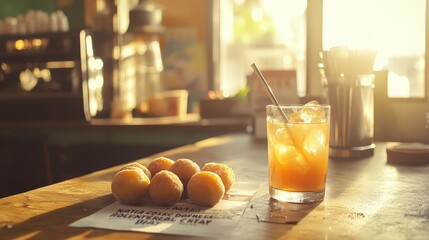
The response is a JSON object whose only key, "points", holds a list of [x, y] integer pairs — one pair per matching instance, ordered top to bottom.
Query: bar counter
{"points": [[154, 131], [56, 150], [365, 199]]}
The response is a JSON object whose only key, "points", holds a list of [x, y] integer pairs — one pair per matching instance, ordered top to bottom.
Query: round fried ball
{"points": [[158, 164], [137, 165], [184, 169], [225, 173], [129, 186], [165, 188], [205, 189]]}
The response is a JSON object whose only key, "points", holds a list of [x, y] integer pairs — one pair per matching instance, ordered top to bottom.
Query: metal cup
{"points": [[352, 126]]}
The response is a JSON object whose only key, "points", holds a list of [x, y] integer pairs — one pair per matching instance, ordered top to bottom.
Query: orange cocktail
{"points": [[298, 151]]}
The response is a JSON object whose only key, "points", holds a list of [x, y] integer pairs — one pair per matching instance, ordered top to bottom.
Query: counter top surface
{"points": [[189, 120], [366, 199]]}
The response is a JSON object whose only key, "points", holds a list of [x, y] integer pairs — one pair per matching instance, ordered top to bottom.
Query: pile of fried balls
{"points": [[167, 182]]}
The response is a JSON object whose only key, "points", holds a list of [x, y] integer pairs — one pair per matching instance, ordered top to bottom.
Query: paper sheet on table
{"points": [[183, 218]]}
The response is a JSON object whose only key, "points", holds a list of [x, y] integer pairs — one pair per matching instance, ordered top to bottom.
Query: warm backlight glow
{"points": [[395, 28], [19, 45]]}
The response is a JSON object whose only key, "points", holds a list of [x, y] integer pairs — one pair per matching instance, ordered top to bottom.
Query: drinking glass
{"points": [[298, 151]]}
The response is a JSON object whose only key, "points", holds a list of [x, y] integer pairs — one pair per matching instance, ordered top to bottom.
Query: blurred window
{"points": [[395, 28], [270, 33]]}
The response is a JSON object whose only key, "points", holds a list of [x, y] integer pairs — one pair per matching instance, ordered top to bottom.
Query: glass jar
{"points": [[148, 66]]}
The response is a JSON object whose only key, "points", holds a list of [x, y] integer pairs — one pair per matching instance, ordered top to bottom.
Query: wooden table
{"points": [[366, 199]]}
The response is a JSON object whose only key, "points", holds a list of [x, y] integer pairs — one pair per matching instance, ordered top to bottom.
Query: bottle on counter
{"points": [[145, 28]]}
